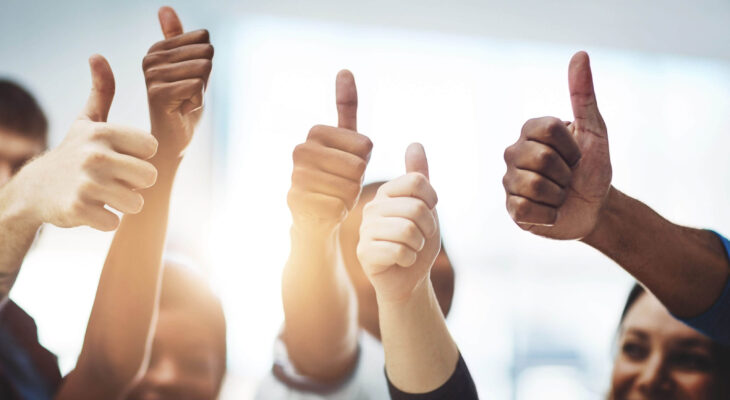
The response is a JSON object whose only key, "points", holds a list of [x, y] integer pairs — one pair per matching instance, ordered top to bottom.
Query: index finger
{"points": [[199, 36], [554, 133], [130, 141], [412, 184]]}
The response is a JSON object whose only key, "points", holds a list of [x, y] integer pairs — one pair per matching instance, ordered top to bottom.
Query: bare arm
{"points": [[558, 185], [17, 232], [399, 242], [685, 268], [320, 306], [121, 325]]}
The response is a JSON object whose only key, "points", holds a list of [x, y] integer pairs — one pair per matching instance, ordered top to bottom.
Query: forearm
{"points": [[17, 231], [685, 268], [320, 307], [120, 327], [420, 354]]}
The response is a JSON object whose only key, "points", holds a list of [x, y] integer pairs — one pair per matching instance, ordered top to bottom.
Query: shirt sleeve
{"points": [[715, 322], [297, 385], [459, 386]]}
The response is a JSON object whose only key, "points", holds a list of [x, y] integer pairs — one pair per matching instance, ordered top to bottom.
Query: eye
{"points": [[634, 351], [692, 361]]}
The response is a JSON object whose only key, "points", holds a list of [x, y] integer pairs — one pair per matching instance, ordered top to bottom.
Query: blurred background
{"points": [[534, 318]]}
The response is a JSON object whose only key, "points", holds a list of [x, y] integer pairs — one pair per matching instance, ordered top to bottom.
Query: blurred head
{"points": [[23, 129], [442, 273], [660, 357], [188, 359]]}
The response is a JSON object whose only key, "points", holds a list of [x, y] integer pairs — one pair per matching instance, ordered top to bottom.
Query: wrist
{"points": [[18, 204], [608, 217], [422, 295]]}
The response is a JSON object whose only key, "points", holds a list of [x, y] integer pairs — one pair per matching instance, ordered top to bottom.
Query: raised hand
{"points": [[176, 70], [97, 164], [329, 166], [559, 173], [399, 235]]}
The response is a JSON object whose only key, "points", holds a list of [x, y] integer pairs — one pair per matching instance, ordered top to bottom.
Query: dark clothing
{"points": [[715, 322], [27, 370], [459, 386]]}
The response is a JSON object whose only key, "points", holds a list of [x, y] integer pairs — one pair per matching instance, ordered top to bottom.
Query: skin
{"points": [[15, 152], [97, 164], [558, 185], [399, 242], [442, 273], [319, 301], [119, 335], [661, 358], [181, 366]]}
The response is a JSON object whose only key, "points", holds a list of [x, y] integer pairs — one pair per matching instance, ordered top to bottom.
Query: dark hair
{"points": [[20, 113], [636, 291], [722, 351]]}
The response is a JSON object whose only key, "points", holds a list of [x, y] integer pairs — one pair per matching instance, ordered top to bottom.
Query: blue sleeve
{"points": [[715, 322]]}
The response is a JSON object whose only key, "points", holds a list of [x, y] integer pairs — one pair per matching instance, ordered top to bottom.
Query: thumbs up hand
{"points": [[176, 71], [97, 164], [329, 167], [559, 173], [399, 235]]}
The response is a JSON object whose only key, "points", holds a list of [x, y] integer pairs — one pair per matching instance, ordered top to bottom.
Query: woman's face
{"points": [[661, 358], [185, 362]]}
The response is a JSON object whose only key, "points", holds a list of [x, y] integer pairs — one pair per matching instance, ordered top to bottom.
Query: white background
{"points": [[461, 79]]}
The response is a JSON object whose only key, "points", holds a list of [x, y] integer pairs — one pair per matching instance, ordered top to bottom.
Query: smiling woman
{"points": [[660, 357]]}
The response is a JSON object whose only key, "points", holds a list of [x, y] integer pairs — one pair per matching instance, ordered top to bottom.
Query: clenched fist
{"points": [[176, 70], [97, 164], [329, 166], [559, 173], [399, 235]]}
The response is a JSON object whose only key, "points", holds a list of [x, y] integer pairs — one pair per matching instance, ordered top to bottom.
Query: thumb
{"points": [[169, 22], [102, 90], [346, 94], [582, 95], [416, 159]]}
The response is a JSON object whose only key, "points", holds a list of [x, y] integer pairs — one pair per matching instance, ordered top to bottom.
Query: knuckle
{"points": [[203, 35], [157, 45], [209, 51], [149, 60], [206, 65], [151, 74], [155, 92], [528, 126], [552, 126], [100, 131], [316, 132], [365, 144], [299, 153], [509, 154], [545, 158], [94, 159], [359, 166], [506, 181], [536, 187], [85, 188], [521, 208], [76, 209], [410, 229]]}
